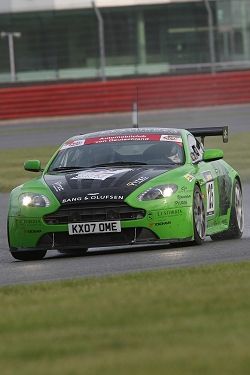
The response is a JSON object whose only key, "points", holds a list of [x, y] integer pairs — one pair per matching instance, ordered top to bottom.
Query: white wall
{"points": [[27, 5], [7, 6]]}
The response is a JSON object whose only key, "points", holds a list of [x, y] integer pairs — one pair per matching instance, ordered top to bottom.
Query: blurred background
{"points": [[103, 39], [61, 57]]}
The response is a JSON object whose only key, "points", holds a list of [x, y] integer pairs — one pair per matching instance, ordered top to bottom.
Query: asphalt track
{"points": [[54, 131], [100, 262]]}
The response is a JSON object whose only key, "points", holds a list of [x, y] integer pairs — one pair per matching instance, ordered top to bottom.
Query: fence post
{"points": [[211, 35], [10, 36], [101, 40]]}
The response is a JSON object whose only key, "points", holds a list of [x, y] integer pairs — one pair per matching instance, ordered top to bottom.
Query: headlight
{"points": [[158, 192], [34, 200]]}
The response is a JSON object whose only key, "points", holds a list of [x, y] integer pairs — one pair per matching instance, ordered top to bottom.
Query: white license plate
{"points": [[95, 227]]}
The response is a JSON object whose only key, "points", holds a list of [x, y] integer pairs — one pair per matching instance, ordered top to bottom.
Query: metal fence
{"points": [[100, 44]]}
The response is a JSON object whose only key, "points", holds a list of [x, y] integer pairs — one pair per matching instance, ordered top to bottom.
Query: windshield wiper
{"points": [[119, 163], [100, 165], [66, 168]]}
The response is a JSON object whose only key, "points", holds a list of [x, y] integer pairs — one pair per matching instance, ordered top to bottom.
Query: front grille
{"points": [[94, 212]]}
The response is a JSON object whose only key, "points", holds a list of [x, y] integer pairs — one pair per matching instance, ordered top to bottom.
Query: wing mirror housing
{"points": [[212, 155], [32, 166]]}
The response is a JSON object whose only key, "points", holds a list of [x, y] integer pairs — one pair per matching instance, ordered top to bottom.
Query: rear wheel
{"points": [[199, 217], [236, 225], [29, 255]]}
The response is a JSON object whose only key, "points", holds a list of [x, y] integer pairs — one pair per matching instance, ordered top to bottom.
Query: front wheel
{"points": [[199, 217], [236, 224], [29, 255]]}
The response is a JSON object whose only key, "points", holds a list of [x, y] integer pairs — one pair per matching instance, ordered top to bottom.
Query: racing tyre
{"points": [[199, 217], [236, 225], [29, 255]]}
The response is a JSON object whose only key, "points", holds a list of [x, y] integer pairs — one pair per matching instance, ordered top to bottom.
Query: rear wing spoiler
{"points": [[208, 132]]}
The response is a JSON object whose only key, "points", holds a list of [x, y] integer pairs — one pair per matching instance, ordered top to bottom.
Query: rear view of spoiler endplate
{"points": [[208, 132]]}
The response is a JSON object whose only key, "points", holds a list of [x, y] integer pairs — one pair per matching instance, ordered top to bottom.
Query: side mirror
{"points": [[212, 155], [33, 166]]}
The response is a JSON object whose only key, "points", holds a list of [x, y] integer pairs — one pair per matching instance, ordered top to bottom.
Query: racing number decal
{"points": [[210, 192], [210, 197]]}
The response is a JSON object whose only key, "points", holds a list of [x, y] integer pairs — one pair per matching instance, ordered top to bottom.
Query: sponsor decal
{"points": [[116, 137], [124, 137], [172, 138], [79, 142], [99, 174], [208, 175], [189, 177], [137, 182], [57, 186], [183, 188], [97, 196], [183, 196], [210, 197], [69, 200], [178, 203], [166, 213], [150, 216], [30, 222], [160, 223], [163, 223], [32, 231]]}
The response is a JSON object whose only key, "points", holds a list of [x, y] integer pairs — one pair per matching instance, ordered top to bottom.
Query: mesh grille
{"points": [[94, 212]]}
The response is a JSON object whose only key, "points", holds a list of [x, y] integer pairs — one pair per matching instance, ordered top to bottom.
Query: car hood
{"points": [[100, 184]]}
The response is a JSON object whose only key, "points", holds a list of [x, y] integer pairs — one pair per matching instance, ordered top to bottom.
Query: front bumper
{"points": [[157, 226]]}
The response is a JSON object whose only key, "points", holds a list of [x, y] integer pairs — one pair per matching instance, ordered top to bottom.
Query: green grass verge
{"points": [[236, 152], [12, 173], [189, 321]]}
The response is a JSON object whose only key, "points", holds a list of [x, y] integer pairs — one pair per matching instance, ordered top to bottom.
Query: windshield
{"points": [[77, 154]]}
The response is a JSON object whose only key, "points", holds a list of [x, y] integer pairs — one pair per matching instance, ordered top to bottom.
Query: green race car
{"points": [[126, 187]]}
